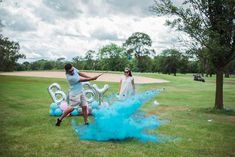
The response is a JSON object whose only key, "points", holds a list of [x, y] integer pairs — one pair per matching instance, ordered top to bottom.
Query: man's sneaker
{"points": [[58, 121], [87, 123]]}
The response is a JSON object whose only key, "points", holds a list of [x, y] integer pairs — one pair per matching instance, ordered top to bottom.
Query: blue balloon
{"points": [[94, 104], [54, 106], [80, 110], [51, 112], [58, 112], [74, 112]]}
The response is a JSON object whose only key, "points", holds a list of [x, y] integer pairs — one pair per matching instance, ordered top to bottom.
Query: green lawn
{"points": [[28, 130]]}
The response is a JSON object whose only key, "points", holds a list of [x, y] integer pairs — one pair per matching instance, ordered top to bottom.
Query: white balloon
{"points": [[86, 84], [54, 85], [55, 90], [101, 90], [93, 91], [62, 96], [92, 97]]}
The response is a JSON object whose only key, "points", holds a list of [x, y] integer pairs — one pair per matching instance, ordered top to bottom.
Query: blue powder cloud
{"points": [[121, 120]]}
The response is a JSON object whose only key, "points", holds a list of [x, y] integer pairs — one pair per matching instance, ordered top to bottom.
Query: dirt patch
{"points": [[162, 110]]}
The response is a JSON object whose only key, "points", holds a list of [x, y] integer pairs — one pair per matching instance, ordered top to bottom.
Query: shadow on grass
{"points": [[225, 111]]}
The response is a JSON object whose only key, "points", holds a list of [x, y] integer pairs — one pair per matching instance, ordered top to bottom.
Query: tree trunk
{"points": [[226, 75], [219, 89]]}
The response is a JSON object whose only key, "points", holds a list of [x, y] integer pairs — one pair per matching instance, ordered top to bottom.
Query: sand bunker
{"points": [[107, 77]]}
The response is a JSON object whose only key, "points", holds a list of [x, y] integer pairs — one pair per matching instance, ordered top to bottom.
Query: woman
{"points": [[127, 85]]}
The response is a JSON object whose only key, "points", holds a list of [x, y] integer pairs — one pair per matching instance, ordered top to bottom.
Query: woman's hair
{"points": [[67, 67], [127, 69]]}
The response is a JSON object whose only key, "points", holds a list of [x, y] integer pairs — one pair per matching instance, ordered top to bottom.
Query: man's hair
{"points": [[67, 67]]}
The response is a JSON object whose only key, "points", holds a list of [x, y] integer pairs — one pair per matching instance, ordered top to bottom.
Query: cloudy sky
{"points": [[49, 29]]}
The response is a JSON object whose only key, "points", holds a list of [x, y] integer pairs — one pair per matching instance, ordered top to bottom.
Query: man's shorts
{"points": [[77, 100]]}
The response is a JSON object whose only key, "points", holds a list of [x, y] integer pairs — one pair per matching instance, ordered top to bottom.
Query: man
{"points": [[76, 96]]}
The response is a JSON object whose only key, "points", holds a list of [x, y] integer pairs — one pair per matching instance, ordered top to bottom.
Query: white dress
{"points": [[127, 88]]}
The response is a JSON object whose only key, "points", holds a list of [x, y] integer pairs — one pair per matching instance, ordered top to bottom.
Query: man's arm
{"points": [[83, 75], [89, 79]]}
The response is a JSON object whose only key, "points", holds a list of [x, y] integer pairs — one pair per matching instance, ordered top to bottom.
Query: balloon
{"points": [[84, 84], [94, 91], [55, 92], [89, 92], [100, 92], [92, 95], [60, 96], [94, 104], [63, 105], [53, 106], [79, 111], [51, 112], [58, 112], [74, 112]]}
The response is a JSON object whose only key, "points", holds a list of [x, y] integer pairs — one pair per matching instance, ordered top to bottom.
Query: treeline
{"points": [[135, 53], [114, 58]]}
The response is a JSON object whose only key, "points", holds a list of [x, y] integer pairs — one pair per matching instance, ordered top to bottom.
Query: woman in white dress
{"points": [[127, 85]]}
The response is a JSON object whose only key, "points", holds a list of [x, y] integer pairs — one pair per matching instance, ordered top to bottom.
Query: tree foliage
{"points": [[210, 24], [138, 43], [9, 54], [112, 57], [171, 61]]}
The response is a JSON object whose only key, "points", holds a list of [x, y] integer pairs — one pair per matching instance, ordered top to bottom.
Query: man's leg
{"points": [[84, 106], [65, 113], [85, 114]]}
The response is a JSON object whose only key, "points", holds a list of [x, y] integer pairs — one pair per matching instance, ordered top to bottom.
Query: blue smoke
{"points": [[120, 121]]}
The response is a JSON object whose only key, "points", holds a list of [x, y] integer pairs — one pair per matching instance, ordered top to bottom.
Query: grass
{"points": [[28, 130]]}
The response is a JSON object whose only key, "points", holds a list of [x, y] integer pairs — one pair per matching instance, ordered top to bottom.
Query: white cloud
{"points": [[51, 29]]}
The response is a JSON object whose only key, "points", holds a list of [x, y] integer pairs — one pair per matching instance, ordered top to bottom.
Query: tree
{"points": [[210, 24], [139, 44], [9, 54], [89, 55], [112, 57], [201, 57], [89, 59], [170, 61], [78, 62], [59, 63], [156, 63], [144, 64], [184, 64], [26, 65], [39, 65], [48, 65], [230, 69]]}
